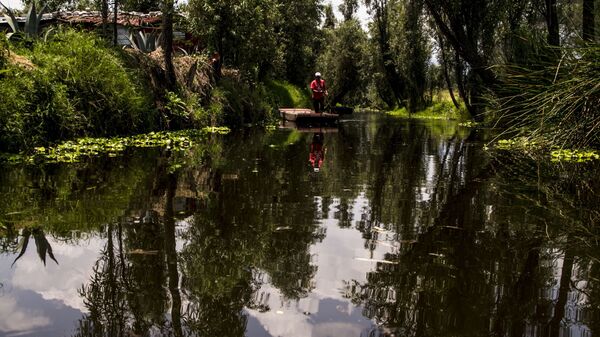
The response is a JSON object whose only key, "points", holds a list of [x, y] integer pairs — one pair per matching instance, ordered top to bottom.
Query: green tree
{"points": [[348, 8], [381, 12], [329, 22], [297, 31], [242, 32], [342, 63]]}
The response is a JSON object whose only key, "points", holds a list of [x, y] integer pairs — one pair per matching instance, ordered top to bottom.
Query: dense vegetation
{"points": [[529, 66], [51, 91]]}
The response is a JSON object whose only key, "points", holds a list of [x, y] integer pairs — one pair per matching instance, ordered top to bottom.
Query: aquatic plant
{"points": [[53, 92], [469, 124], [536, 147], [75, 150], [574, 155]]}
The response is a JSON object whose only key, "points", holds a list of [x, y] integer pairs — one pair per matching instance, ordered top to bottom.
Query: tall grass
{"points": [[72, 85], [284, 94], [556, 105]]}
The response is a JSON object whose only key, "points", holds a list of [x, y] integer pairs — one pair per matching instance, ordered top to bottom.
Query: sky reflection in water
{"points": [[407, 228]]}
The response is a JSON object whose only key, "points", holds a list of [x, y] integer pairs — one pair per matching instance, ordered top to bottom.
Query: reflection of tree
{"points": [[42, 245], [486, 247], [105, 296]]}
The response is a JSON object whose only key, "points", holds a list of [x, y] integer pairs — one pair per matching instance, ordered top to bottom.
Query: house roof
{"points": [[45, 17], [94, 18], [129, 19]]}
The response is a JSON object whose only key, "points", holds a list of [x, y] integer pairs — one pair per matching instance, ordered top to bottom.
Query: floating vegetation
{"points": [[469, 124], [520, 143], [529, 146], [75, 150], [575, 155]]}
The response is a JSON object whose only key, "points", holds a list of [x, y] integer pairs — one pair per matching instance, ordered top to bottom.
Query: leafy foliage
{"points": [[4, 53], [342, 63], [60, 94]]}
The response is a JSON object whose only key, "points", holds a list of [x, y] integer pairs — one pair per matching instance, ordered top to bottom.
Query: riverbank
{"points": [[51, 92], [441, 107]]}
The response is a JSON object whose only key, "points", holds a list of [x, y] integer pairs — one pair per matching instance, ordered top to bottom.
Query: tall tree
{"points": [[348, 8], [379, 9], [115, 17], [329, 22], [167, 32], [417, 55], [343, 61]]}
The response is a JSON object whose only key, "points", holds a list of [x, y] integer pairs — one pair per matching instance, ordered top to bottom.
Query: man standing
{"points": [[319, 91]]}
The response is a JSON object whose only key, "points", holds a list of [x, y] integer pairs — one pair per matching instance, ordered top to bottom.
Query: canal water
{"points": [[381, 227]]}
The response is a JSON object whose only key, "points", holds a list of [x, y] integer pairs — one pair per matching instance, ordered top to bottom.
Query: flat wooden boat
{"points": [[307, 116]]}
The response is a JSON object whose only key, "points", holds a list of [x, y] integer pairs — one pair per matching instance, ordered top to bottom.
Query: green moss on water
{"points": [[469, 124], [531, 146], [75, 150], [575, 155]]}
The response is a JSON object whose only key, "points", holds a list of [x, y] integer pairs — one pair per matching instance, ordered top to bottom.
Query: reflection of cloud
{"points": [[58, 282], [13, 318], [335, 329]]}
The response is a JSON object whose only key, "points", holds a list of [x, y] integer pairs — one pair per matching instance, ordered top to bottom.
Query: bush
{"points": [[3, 52], [76, 86], [104, 91], [283, 94], [237, 103]]}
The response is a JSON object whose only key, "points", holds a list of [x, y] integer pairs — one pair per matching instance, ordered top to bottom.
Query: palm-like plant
{"points": [[32, 26], [144, 42]]}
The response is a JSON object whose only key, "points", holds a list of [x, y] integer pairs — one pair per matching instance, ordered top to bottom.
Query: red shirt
{"points": [[318, 88]]}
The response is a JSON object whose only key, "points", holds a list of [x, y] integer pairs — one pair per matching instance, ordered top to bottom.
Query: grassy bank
{"points": [[71, 86], [52, 91], [442, 108]]}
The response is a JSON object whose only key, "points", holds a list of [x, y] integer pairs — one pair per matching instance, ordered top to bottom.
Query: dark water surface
{"points": [[408, 229]]}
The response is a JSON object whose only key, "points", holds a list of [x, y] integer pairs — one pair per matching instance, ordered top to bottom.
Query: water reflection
{"points": [[317, 151], [411, 230]]}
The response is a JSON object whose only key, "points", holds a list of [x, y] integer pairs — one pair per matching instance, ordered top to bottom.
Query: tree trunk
{"points": [[115, 9], [104, 10], [589, 21], [552, 23], [168, 42], [460, 43], [389, 66], [446, 74], [460, 83], [449, 85], [171, 256]]}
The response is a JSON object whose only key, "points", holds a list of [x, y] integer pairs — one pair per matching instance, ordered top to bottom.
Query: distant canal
{"points": [[381, 227]]}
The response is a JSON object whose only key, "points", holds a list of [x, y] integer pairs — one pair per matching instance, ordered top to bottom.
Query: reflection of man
{"points": [[319, 91], [317, 152]]}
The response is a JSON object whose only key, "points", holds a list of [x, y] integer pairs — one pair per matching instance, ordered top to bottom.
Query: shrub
{"points": [[3, 52], [76, 86], [104, 91]]}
